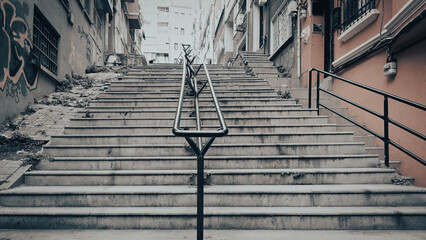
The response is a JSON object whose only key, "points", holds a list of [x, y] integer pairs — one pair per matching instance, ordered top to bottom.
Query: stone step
{"points": [[259, 63], [159, 66], [264, 69], [179, 74], [264, 75], [176, 79], [177, 84], [233, 88], [175, 94], [172, 97], [304, 101], [202, 102], [190, 107], [326, 112], [203, 113], [339, 120], [161, 121], [352, 128], [156, 129], [124, 139], [369, 140], [216, 149], [380, 151], [213, 162], [213, 176], [215, 196], [303, 218]]}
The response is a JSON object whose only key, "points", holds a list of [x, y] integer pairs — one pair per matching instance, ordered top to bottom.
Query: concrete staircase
{"points": [[281, 167]]}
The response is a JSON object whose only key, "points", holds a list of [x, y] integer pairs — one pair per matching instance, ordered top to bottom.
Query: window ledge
{"points": [[369, 18], [49, 74]]}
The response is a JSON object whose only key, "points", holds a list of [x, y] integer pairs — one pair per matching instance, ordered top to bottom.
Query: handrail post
{"points": [[310, 89], [318, 94], [386, 129], [200, 196]]}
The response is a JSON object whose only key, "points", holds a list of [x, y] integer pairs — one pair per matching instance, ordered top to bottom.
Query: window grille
{"points": [[66, 4], [354, 10], [45, 42]]}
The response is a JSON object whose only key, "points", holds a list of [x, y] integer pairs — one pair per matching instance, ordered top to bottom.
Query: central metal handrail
{"points": [[189, 77]]}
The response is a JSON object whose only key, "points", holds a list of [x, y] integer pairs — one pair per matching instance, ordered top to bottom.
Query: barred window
{"points": [[354, 10], [45, 42]]}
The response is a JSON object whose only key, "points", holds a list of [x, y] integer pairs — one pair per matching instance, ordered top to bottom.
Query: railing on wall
{"points": [[189, 78], [385, 116]]}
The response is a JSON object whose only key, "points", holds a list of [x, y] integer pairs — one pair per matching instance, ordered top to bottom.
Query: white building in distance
{"points": [[167, 24]]}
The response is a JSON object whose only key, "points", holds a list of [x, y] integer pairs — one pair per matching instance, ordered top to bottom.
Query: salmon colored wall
{"points": [[397, 5], [342, 48], [312, 51], [409, 83]]}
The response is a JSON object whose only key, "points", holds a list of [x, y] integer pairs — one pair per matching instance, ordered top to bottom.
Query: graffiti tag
{"points": [[16, 51]]}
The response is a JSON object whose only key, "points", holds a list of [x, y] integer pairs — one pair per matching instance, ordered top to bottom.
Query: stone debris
{"points": [[22, 138]]}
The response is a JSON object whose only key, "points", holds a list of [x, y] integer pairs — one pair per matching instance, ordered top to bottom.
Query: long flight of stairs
{"points": [[281, 167]]}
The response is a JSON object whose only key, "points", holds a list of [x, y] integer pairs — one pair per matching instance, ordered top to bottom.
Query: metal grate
{"points": [[354, 10], [45, 42]]}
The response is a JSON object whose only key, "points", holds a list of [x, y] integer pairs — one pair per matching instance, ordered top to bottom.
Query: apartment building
{"points": [[167, 24]]}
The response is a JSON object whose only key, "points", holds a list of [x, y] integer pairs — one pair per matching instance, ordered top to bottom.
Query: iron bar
{"points": [[318, 87], [310, 89], [394, 97], [353, 103], [386, 119], [354, 122], [386, 129], [414, 132], [412, 155], [200, 196]]}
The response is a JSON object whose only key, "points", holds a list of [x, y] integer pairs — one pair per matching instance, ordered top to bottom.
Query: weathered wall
{"points": [[79, 46], [285, 58]]}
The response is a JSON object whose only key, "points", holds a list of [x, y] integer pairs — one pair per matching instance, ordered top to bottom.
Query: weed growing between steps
{"points": [[284, 95], [29, 110], [18, 146], [35, 158]]}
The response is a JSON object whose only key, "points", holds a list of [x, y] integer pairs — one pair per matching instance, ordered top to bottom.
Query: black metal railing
{"points": [[353, 10], [189, 78], [385, 116]]}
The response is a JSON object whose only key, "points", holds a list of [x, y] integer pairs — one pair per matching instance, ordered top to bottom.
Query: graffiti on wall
{"points": [[17, 73]]}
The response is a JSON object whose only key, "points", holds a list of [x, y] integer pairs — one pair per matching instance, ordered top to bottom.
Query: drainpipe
{"points": [[299, 48]]}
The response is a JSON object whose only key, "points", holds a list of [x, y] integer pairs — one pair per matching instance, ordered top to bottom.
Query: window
{"points": [[86, 5], [163, 9], [354, 10], [163, 13], [98, 23], [163, 27], [282, 30], [176, 31], [182, 31], [45, 42], [176, 46]]}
